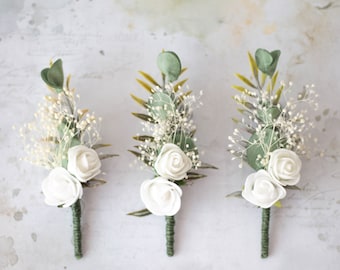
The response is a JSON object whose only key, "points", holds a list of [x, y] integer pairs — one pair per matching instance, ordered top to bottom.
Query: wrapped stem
{"points": [[76, 215], [170, 232], [265, 232]]}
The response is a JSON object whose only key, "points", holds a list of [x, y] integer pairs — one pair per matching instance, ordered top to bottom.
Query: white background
{"points": [[103, 45]]}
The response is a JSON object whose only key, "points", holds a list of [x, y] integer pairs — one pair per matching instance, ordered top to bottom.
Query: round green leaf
{"points": [[267, 61], [170, 65], [54, 76], [160, 105], [267, 115], [187, 144], [261, 144]]}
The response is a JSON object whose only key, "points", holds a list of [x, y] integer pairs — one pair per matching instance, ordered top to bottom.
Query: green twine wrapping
{"points": [[76, 214], [170, 232], [265, 232]]}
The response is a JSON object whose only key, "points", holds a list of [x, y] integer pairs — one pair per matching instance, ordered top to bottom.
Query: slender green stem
{"points": [[163, 79], [76, 214], [170, 232], [265, 232]]}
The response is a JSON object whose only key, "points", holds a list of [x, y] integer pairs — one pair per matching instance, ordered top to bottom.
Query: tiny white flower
{"points": [[83, 162], [172, 163], [284, 166], [61, 188], [262, 190], [161, 196]]}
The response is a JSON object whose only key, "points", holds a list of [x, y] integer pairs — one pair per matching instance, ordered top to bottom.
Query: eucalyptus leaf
{"points": [[267, 61], [170, 65], [54, 76], [160, 105], [267, 115], [74, 142], [187, 144], [260, 144]]}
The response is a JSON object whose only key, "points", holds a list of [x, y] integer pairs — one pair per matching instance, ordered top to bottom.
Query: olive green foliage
{"points": [[259, 101]]}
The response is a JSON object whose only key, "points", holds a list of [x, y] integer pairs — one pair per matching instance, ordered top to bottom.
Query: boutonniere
{"points": [[272, 135], [64, 139], [169, 146]]}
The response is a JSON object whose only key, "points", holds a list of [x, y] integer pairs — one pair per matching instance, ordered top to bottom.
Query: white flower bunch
{"points": [[58, 126], [61, 140], [264, 188], [161, 195]]}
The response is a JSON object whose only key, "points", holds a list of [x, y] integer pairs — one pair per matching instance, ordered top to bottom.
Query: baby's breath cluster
{"points": [[170, 113], [272, 118], [168, 121], [286, 124], [58, 125]]}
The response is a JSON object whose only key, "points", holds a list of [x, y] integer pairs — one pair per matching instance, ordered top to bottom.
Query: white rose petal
{"points": [[83, 162], [172, 163], [285, 166], [61, 188], [262, 190], [161, 196]]}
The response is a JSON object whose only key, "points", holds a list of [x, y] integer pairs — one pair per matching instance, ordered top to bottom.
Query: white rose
{"points": [[83, 162], [172, 163], [284, 166], [61, 188], [262, 190], [161, 196]]}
